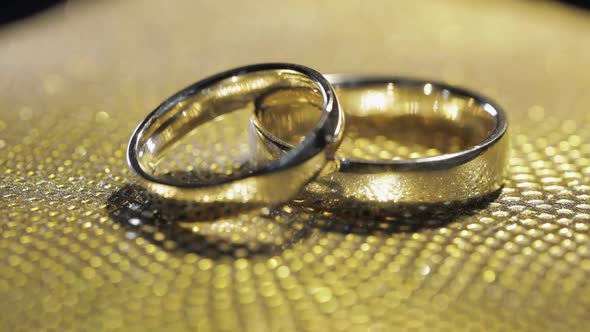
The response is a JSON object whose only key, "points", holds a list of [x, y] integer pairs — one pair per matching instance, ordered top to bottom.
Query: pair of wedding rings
{"points": [[299, 118]]}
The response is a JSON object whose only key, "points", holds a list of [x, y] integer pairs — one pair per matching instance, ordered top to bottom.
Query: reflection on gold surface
{"points": [[75, 84], [220, 99], [386, 119], [395, 122], [404, 137], [249, 178]]}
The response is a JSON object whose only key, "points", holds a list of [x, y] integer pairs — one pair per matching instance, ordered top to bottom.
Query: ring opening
{"points": [[394, 121], [201, 134]]}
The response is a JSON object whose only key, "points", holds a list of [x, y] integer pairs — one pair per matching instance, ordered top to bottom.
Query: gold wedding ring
{"points": [[467, 131], [272, 181]]}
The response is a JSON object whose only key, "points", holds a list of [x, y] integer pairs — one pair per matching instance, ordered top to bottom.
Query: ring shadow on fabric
{"points": [[215, 230]]}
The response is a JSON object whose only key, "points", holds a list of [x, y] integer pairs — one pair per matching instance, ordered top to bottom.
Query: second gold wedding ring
{"points": [[466, 134], [268, 181]]}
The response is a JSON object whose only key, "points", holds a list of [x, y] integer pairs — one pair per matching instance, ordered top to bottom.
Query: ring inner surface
{"points": [[387, 122], [202, 137]]}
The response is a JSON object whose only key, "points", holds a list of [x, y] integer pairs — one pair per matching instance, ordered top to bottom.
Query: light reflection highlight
{"points": [[373, 100]]}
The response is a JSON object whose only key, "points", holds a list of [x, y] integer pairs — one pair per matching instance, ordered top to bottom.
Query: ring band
{"points": [[232, 90], [475, 170]]}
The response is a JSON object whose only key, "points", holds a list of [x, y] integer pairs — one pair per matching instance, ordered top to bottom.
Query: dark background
{"points": [[13, 10]]}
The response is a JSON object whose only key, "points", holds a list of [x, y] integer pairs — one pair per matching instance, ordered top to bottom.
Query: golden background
{"points": [[82, 249]]}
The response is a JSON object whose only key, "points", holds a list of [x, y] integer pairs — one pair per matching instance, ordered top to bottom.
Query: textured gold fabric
{"points": [[82, 248]]}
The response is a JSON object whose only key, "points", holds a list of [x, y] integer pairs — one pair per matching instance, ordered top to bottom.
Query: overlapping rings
{"points": [[298, 124]]}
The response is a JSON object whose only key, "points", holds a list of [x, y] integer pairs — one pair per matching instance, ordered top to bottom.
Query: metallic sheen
{"points": [[230, 91], [475, 168], [82, 249]]}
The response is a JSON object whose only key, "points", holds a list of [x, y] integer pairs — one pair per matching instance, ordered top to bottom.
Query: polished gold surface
{"points": [[458, 139], [253, 180], [82, 248]]}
